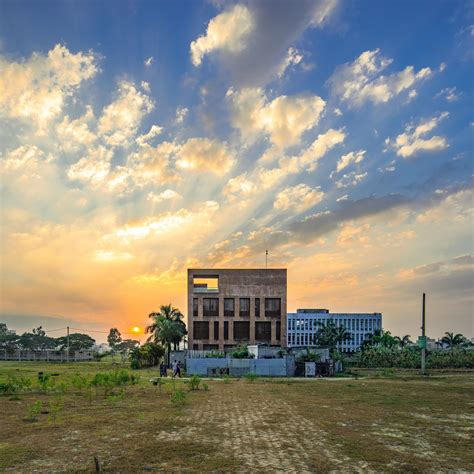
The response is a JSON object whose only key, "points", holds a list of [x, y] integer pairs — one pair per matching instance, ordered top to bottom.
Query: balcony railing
{"points": [[204, 289]]}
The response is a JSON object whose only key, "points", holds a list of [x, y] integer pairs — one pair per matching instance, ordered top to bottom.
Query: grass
{"points": [[393, 423]]}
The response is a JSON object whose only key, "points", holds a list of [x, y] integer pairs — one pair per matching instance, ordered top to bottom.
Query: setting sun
{"points": [[136, 329]]}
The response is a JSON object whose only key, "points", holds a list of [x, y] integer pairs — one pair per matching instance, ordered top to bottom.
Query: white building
{"points": [[304, 324]]}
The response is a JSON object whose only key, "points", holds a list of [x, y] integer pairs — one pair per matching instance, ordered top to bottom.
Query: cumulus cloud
{"points": [[226, 32], [254, 40], [292, 58], [361, 81], [36, 89], [449, 93], [181, 114], [284, 118], [120, 119], [154, 131], [72, 134], [413, 140], [204, 155], [351, 157], [25, 159], [93, 168], [350, 179], [166, 195], [298, 198]]}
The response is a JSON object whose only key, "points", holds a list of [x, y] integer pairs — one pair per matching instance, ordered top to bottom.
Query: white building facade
{"points": [[303, 325]]}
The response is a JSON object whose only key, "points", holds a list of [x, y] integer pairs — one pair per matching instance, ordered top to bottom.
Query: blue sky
{"points": [[140, 138]]}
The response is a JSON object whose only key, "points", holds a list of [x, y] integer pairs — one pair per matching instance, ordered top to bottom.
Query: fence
{"points": [[46, 356]]}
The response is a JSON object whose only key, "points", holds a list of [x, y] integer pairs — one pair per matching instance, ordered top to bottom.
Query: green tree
{"points": [[167, 328], [330, 335], [8, 338], [114, 339], [36, 340], [453, 340], [403, 341], [77, 342]]}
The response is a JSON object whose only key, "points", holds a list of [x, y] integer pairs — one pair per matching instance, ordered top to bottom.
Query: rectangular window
{"points": [[206, 284], [210, 306], [228, 306], [195, 307], [257, 307], [272, 307], [244, 310], [201, 330], [216, 330], [226, 330], [241, 330], [278, 330], [263, 331]]}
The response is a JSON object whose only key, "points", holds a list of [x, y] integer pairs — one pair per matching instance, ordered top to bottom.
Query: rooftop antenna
{"points": [[266, 258]]}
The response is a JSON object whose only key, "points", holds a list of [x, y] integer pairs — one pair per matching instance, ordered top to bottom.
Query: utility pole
{"points": [[266, 258], [423, 339], [67, 355]]}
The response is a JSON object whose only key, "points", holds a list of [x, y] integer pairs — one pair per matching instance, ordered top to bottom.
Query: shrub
{"points": [[241, 352], [215, 355], [226, 378], [79, 382], [194, 382], [46, 383], [14, 385], [205, 387], [178, 397], [33, 409]]}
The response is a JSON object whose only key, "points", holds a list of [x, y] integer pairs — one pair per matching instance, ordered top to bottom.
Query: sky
{"points": [[140, 138]]}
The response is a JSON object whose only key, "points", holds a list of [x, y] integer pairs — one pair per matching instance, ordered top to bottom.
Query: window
{"points": [[206, 284], [210, 306], [228, 306], [195, 307], [257, 307], [272, 307], [244, 310], [201, 330], [216, 330], [226, 330], [241, 330], [278, 330], [263, 331], [195, 347]]}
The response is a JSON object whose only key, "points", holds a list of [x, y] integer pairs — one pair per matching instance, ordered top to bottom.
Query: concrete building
{"points": [[230, 307], [304, 324]]}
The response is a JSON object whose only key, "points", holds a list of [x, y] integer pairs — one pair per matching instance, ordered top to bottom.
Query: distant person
{"points": [[178, 368], [163, 370]]}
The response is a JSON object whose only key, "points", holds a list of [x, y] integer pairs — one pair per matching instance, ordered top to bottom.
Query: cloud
{"points": [[226, 32], [253, 41], [292, 58], [148, 62], [360, 82], [35, 90], [449, 93], [181, 114], [284, 118], [120, 119], [154, 131], [74, 134], [412, 141], [204, 155], [348, 158], [25, 159], [93, 168], [350, 179], [166, 195], [298, 198]]}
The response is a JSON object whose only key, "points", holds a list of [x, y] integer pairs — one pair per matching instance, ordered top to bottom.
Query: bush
{"points": [[241, 352], [215, 355], [309, 356], [250, 377], [115, 378], [194, 382], [14, 385], [178, 397], [33, 410]]}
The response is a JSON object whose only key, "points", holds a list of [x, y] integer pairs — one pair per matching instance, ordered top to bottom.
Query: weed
{"points": [[250, 377], [226, 378], [79, 382], [194, 382], [205, 387], [178, 397], [55, 407], [33, 410]]}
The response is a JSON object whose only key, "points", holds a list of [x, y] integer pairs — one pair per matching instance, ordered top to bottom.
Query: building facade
{"points": [[230, 307], [304, 324]]}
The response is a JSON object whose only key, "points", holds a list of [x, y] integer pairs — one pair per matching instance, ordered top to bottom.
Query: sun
{"points": [[136, 329]]}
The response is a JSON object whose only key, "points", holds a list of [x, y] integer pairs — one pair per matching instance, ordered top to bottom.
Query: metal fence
{"points": [[46, 356]]}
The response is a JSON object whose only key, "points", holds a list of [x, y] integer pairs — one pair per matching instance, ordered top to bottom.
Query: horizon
{"points": [[142, 139]]}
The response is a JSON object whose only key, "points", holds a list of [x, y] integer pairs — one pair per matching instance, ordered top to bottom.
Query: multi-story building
{"points": [[232, 307], [304, 324]]}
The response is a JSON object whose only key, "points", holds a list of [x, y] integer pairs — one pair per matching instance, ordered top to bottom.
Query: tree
{"points": [[167, 328], [329, 334], [8, 338], [380, 338], [114, 339], [36, 340], [453, 340], [403, 341], [77, 342], [149, 354]]}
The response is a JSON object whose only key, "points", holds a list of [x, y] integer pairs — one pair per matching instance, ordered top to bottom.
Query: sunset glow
{"points": [[200, 135]]}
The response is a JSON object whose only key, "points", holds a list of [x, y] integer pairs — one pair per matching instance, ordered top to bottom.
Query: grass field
{"points": [[403, 423]]}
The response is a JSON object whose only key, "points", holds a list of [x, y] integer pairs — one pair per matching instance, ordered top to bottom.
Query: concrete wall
{"points": [[238, 283], [284, 367]]}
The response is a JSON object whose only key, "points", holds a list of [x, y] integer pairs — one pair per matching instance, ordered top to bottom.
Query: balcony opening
{"points": [[206, 284]]}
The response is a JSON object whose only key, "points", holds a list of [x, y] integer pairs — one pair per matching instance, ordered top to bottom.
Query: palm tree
{"points": [[167, 327], [331, 335], [453, 340], [403, 341]]}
